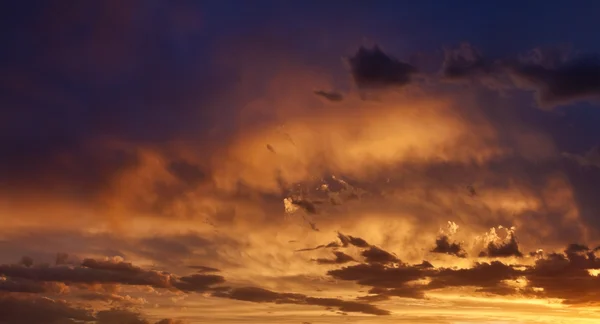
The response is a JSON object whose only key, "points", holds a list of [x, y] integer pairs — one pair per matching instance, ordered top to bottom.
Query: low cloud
{"points": [[465, 62], [373, 69], [556, 77], [567, 81], [330, 95], [591, 158], [443, 245], [497, 247], [377, 255], [340, 257], [203, 269], [197, 282], [259, 295], [123, 300], [40, 310]]}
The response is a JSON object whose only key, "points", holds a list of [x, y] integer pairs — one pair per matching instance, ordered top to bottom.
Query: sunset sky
{"points": [[373, 162]]}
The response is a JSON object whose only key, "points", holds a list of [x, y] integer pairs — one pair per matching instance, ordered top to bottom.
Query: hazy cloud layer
{"points": [[202, 162]]}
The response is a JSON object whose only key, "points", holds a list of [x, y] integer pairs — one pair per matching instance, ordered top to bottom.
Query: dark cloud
{"points": [[465, 62], [372, 68], [556, 77], [562, 82], [330, 95], [590, 158], [187, 172], [308, 206], [344, 241], [356, 241], [443, 245], [322, 246], [503, 249], [537, 254], [377, 255], [340, 257], [61, 258], [26, 261], [112, 265], [425, 265], [203, 269], [91, 271], [94, 271], [379, 275], [480, 275], [566, 276], [389, 277], [197, 282], [28, 286], [414, 292], [259, 295], [125, 301], [40, 310], [119, 316], [126, 316], [169, 321]]}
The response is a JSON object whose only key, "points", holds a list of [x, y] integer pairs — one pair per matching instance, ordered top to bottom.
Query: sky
{"points": [[178, 162]]}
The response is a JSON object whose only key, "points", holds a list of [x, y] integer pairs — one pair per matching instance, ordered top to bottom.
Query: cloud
{"points": [[465, 62], [372, 68], [557, 77], [562, 82], [330, 95], [590, 158], [129, 170], [187, 172], [308, 206], [351, 240], [344, 241], [443, 245], [497, 247], [510, 248], [377, 255], [340, 257], [61, 258], [115, 265], [203, 269], [90, 271], [378, 275], [481, 275], [566, 276], [570, 276], [41, 278], [197, 282], [30, 286], [413, 292], [259, 295], [112, 298], [40, 310], [119, 316], [169, 321]]}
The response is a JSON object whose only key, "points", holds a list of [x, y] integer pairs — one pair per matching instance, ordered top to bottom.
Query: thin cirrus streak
{"points": [[293, 193]]}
